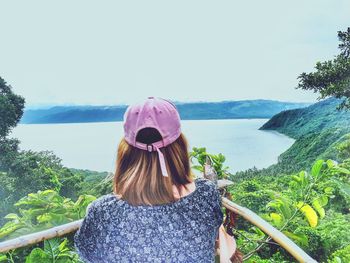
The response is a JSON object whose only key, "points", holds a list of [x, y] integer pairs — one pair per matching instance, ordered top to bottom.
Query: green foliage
{"points": [[332, 77], [11, 109], [318, 130], [343, 147], [200, 155], [33, 171], [23, 172], [95, 183], [250, 194], [298, 204], [301, 206], [43, 210], [334, 232], [55, 251], [341, 255], [3, 258], [275, 258]]}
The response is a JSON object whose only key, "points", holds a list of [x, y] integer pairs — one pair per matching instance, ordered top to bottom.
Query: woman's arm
{"points": [[87, 239]]}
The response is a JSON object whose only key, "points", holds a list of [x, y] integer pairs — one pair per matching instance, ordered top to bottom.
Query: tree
{"points": [[332, 77], [11, 108], [11, 111], [22, 172]]}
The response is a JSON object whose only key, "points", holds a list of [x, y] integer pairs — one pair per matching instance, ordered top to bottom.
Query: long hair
{"points": [[138, 178]]}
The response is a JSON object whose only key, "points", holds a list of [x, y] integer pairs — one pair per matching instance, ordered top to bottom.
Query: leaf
{"points": [[330, 163], [316, 168], [342, 170], [296, 178], [304, 178], [344, 189], [329, 190], [323, 200], [82, 202], [281, 204], [318, 207], [285, 208], [309, 213], [12, 216], [44, 218], [276, 219], [7, 229], [260, 234], [299, 238], [63, 244], [51, 247], [38, 255], [3, 258], [64, 260]]}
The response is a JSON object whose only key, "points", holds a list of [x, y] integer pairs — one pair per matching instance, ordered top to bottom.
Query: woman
{"points": [[158, 212]]}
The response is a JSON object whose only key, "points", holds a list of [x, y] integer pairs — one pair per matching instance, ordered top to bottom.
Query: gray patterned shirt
{"points": [[181, 231]]}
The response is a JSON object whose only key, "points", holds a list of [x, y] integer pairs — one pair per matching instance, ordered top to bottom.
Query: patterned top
{"points": [[181, 231]]}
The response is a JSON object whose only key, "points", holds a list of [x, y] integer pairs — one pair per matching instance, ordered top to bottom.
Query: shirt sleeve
{"points": [[219, 216], [87, 238]]}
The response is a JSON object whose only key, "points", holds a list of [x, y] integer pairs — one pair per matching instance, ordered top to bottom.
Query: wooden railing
{"points": [[247, 214], [268, 229]]}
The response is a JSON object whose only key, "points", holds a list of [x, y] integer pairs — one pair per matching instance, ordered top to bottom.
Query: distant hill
{"points": [[188, 111], [317, 130]]}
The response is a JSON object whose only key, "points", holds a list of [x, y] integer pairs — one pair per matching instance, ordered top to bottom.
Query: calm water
{"points": [[93, 145]]}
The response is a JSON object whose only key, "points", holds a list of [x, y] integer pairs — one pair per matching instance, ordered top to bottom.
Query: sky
{"points": [[120, 52]]}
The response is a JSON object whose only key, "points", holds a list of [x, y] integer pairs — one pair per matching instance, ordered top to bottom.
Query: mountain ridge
{"points": [[188, 111]]}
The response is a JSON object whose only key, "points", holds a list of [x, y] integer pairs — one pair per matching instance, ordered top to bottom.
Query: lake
{"points": [[93, 146]]}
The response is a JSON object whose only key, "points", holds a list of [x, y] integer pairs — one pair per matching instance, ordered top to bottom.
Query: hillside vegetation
{"points": [[317, 129]]}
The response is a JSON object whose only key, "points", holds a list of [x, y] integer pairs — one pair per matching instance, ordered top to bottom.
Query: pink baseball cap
{"points": [[157, 113]]}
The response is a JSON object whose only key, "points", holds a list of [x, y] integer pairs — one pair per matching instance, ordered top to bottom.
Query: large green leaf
{"points": [[316, 168], [309, 213], [51, 247], [38, 255]]}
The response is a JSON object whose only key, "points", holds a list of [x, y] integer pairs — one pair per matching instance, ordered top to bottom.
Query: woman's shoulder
{"points": [[206, 183], [103, 202]]}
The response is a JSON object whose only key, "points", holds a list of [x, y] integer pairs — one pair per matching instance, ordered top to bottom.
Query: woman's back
{"points": [[181, 231]]}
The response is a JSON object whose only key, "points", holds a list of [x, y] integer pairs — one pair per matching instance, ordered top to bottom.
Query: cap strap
{"points": [[156, 145], [146, 147], [162, 162]]}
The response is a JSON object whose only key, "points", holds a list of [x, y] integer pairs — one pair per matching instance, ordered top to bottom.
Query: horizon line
{"points": [[50, 105]]}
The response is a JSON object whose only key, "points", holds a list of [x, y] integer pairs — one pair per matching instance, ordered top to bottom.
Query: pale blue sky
{"points": [[110, 52]]}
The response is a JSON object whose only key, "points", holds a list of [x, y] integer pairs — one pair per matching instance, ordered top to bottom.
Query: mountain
{"points": [[188, 111], [317, 129]]}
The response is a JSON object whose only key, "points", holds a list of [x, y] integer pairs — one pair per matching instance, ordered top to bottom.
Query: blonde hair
{"points": [[138, 178]]}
